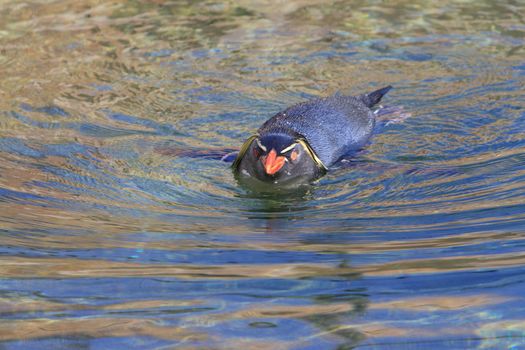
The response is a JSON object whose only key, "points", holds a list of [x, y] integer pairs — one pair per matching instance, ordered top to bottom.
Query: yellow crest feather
{"points": [[301, 141], [243, 150], [312, 154]]}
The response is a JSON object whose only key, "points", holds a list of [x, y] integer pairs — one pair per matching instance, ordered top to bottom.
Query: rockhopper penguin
{"points": [[304, 140]]}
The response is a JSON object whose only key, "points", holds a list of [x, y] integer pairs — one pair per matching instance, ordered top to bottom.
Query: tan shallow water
{"points": [[120, 228]]}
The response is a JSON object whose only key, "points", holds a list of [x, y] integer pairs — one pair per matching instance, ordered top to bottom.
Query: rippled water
{"points": [[120, 228]]}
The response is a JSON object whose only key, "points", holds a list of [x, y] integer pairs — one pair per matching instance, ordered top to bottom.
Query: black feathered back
{"points": [[333, 126]]}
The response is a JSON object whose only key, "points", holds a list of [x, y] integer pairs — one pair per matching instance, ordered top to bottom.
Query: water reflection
{"points": [[120, 227]]}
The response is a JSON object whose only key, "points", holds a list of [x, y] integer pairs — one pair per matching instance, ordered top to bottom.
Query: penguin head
{"points": [[276, 158]]}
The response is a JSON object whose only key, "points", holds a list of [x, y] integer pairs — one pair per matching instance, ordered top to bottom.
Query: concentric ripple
{"points": [[121, 228]]}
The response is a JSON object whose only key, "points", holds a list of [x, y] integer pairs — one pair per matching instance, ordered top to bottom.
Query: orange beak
{"points": [[273, 163]]}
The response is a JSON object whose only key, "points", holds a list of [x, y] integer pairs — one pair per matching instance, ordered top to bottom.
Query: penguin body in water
{"points": [[304, 140]]}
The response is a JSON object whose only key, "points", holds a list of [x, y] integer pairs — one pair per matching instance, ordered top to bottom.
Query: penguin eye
{"points": [[256, 153], [294, 155]]}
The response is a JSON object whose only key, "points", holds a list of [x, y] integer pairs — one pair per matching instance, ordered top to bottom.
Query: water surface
{"points": [[119, 228]]}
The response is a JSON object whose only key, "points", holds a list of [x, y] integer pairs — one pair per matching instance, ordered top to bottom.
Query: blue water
{"points": [[121, 228]]}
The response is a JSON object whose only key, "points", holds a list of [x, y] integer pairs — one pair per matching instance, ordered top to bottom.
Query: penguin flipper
{"points": [[374, 97], [224, 154], [230, 157]]}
